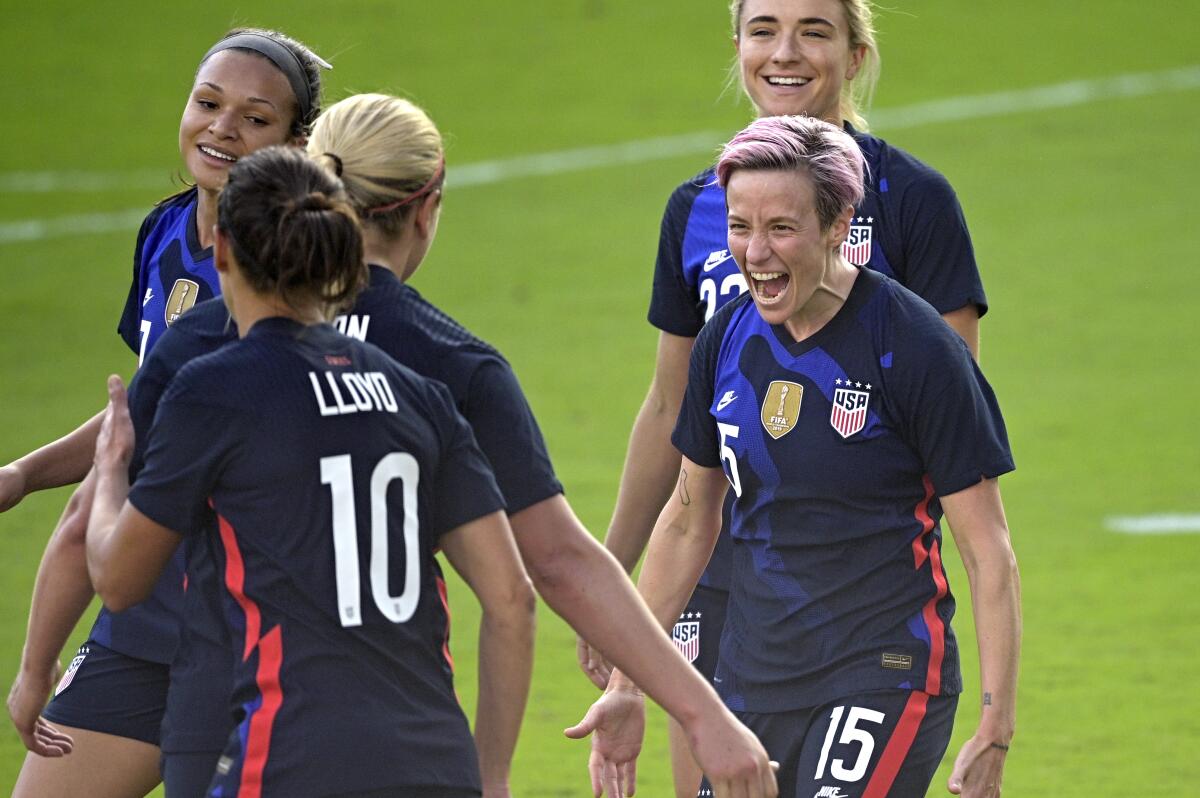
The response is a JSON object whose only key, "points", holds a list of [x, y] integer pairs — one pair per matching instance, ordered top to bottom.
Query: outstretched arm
{"points": [[63, 462], [976, 517], [680, 547], [483, 553], [61, 594]]}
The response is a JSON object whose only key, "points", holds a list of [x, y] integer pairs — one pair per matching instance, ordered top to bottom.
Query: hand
{"points": [[114, 445], [13, 487], [593, 663], [26, 700], [617, 723], [732, 758], [978, 770]]}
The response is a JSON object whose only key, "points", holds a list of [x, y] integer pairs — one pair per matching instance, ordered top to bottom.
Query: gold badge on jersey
{"points": [[183, 296], [781, 408]]}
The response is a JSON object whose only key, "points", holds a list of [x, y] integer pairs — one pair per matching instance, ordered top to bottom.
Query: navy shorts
{"points": [[697, 633], [107, 692], [883, 744]]}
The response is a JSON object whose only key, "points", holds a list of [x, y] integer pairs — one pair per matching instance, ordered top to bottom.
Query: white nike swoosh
{"points": [[711, 264]]}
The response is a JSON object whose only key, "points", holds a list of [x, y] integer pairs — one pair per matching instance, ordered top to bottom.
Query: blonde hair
{"points": [[856, 93], [386, 150]]}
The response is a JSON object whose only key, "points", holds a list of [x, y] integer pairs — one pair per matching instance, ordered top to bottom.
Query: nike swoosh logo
{"points": [[715, 259], [726, 400]]}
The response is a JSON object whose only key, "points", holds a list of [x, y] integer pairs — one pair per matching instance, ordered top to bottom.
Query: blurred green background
{"points": [[1076, 198]]}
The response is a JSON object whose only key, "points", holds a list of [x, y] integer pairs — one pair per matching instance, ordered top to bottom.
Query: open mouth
{"points": [[781, 80], [217, 154], [767, 286]]}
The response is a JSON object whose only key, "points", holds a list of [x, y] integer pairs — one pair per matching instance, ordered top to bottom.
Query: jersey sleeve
{"points": [[939, 257], [674, 307], [131, 316], [952, 415], [695, 434], [509, 436], [190, 442], [464, 487]]}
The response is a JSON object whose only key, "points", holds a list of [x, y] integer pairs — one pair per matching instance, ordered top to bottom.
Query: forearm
{"points": [[63, 462], [651, 466], [112, 487], [61, 591], [996, 598], [505, 669]]}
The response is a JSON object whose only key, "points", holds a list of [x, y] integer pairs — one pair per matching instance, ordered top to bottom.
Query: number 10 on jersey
{"points": [[336, 472]]}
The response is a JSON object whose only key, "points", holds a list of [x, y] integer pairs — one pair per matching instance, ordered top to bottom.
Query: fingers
{"points": [[116, 390], [585, 726], [48, 741], [629, 776], [767, 780]]}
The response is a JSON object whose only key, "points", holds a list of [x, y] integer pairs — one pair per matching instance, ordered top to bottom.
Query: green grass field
{"points": [[1077, 206]]}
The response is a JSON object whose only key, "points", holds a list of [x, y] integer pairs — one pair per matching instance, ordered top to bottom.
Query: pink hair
{"points": [[800, 143]]}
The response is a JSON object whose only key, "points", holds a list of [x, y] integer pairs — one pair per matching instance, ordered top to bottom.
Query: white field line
{"points": [[952, 109], [1169, 524]]}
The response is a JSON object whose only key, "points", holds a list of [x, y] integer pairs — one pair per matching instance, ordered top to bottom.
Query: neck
{"points": [[206, 215], [394, 254], [828, 298], [250, 307]]}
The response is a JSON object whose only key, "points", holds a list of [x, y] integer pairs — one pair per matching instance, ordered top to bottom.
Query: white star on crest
{"points": [[870, 219], [838, 381], [858, 385], [868, 386]]}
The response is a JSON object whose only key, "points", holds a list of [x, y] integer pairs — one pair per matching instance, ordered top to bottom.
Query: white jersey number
{"points": [[732, 284], [730, 431], [337, 474], [850, 734]]}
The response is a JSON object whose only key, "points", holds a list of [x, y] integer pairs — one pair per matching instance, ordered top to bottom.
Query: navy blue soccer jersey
{"points": [[909, 226], [171, 273], [838, 449], [332, 472], [150, 630]]}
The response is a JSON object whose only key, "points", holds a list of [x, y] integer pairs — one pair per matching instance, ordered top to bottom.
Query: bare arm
{"points": [[965, 322], [63, 462], [651, 463], [976, 517], [680, 547], [126, 551], [483, 553], [61, 595]]}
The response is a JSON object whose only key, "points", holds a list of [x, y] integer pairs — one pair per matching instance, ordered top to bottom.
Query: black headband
{"points": [[278, 54]]}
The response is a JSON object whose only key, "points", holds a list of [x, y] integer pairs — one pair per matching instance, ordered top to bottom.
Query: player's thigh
{"points": [[697, 635], [107, 692], [874, 745], [99, 766], [187, 775]]}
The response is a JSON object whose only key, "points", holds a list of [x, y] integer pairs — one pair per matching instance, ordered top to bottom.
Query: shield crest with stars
{"points": [[857, 246], [849, 413], [686, 637]]}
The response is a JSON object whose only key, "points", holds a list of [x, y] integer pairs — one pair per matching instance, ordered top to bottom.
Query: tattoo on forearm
{"points": [[685, 498], [987, 699]]}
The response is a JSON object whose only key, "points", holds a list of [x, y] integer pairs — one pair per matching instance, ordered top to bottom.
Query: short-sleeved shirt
{"points": [[909, 226], [171, 273], [395, 317], [838, 449], [332, 472]]}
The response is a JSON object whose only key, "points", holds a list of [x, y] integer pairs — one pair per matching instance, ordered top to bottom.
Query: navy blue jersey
{"points": [[909, 226], [171, 273], [396, 318], [837, 449], [332, 472], [150, 630]]}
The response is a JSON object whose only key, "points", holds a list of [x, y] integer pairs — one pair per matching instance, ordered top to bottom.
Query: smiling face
{"points": [[795, 55], [239, 103], [777, 240]]}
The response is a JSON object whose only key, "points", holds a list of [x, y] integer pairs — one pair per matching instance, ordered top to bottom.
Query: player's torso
{"points": [[175, 272], [333, 545], [827, 587]]}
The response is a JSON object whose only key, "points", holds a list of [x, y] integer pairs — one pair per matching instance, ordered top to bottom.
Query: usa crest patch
{"points": [[857, 246], [849, 413], [686, 637], [69, 676]]}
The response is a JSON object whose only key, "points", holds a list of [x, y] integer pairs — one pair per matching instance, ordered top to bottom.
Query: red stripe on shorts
{"points": [[258, 739], [898, 746]]}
